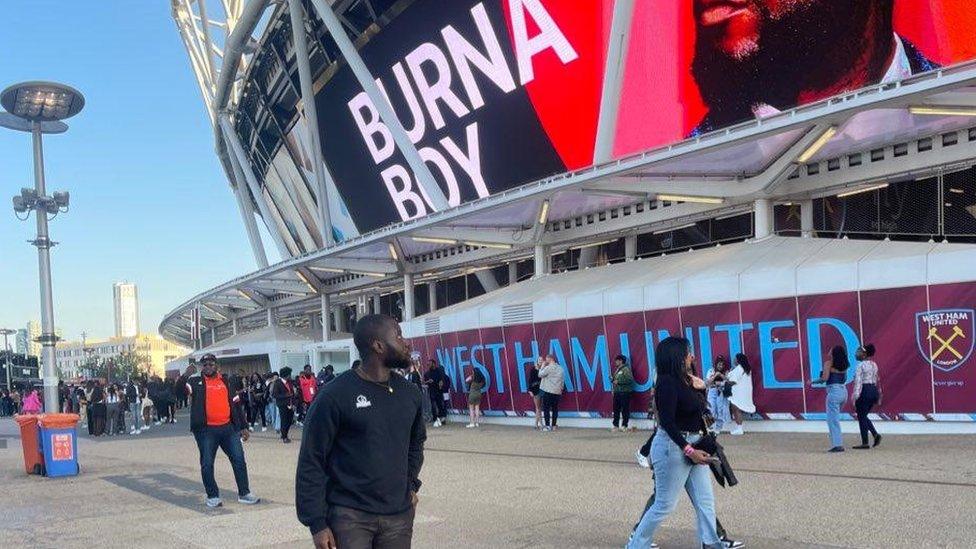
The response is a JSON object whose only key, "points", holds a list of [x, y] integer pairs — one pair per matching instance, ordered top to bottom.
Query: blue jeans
{"points": [[836, 397], [718, 405], [135, 410], [272, 412], [228, 438], [672, 472]]}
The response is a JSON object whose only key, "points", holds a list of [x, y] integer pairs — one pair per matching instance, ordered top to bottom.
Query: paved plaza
{"points": [[506, 487]]}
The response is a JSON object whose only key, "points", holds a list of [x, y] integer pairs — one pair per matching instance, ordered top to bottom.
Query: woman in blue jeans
{"points": [[835, 376], [678, 466]]}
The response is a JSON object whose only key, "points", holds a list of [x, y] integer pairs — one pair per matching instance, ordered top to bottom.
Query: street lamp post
{"points": [[39, 108], [6, 352]]}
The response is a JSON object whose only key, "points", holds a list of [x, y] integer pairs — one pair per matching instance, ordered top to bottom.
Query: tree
{"points": [[123, 366]]}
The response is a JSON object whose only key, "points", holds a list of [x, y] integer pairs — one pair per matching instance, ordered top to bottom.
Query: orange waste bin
{"points": [[29, 439]]}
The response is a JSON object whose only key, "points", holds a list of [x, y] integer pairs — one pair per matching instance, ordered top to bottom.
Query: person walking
{"points": [[835, 377], [308, 385], [438, 385], [476, 386], [551, 387], [623, 388], [718, 392], [258, 394], [866, 394], [740, 396], [285, 397], [164, 402], [31, 403], [112, 403], [146, 404], [135, 407], [271, 408], [217, 421], [363, 448], [677, 464]]}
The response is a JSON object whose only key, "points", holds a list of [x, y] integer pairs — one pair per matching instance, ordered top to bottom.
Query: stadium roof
{"points": [[757, 159]]}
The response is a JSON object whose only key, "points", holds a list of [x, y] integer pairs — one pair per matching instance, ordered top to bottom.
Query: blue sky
{"points": [[149, 201]]}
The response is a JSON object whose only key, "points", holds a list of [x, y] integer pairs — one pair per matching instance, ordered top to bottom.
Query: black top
{"points": [[437, 380], [534, 380], [679, 408], [362, 448]]}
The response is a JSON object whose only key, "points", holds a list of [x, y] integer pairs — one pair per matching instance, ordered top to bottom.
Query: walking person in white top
{"points": [[551, 389], [867, 393], [741, 400]]}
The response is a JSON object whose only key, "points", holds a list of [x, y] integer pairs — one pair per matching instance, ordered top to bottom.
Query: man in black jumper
{"points": [[217, 420], [363, 447]]}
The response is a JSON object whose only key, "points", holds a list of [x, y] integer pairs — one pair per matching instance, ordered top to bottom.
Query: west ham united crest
{"points": [[945, 336]]}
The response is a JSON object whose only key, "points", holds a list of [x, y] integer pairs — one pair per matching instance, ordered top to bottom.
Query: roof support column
{"points": [[613, 77], [242, 167], [421, 171], [323, 178], [763, 218], [806, 218], [250, 225], [630, 247], [587, 257], [541, 261], [512, 273], [487, 280], [432, 295], [377, 304], [408, 305], [326, 308], [340, 319]]}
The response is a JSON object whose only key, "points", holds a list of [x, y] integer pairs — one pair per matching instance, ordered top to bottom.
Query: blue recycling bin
{"points": [[59, 444]]}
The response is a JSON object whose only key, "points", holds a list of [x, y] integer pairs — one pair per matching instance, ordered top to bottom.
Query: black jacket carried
{"points": [[198, 403]]}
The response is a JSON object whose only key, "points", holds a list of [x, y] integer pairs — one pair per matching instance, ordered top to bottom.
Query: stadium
{"points": [[518, 178]]}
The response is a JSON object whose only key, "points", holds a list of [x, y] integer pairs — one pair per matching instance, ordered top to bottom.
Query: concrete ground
{"points": [[506, 487]]}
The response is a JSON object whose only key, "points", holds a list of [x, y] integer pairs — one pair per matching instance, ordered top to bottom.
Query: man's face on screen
{"points": [[736, 28], [745, 44]]}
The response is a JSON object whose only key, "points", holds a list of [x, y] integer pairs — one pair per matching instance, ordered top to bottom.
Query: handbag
{"points": [[727, 389]]}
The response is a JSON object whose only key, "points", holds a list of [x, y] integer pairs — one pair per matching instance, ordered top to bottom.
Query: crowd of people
{"points": [[10, 401], [133, 406], [688, 413]]}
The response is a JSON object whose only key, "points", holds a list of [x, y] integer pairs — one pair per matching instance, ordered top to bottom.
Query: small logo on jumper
{"points": [[945, 336], [363, 402]]}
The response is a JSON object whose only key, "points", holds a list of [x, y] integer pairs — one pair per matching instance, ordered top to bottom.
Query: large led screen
{"points": [[498, 93]]}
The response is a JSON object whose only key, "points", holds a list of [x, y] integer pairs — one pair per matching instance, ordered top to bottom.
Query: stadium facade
{"points": [[514, 178]]}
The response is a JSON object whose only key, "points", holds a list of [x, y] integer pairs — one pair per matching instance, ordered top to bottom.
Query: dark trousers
{"points": [[863, 405], [437, 407], [621, 407], [550, 408], [259, 409], [287, 417], [228, 439], [355, 529]]}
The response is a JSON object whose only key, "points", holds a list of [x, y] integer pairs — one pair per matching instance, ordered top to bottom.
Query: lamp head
{"points": [[42, 101], [62, 198]]}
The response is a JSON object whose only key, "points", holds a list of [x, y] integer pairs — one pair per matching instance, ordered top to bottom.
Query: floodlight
{"points": [[42, 101], [62, 198]]}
